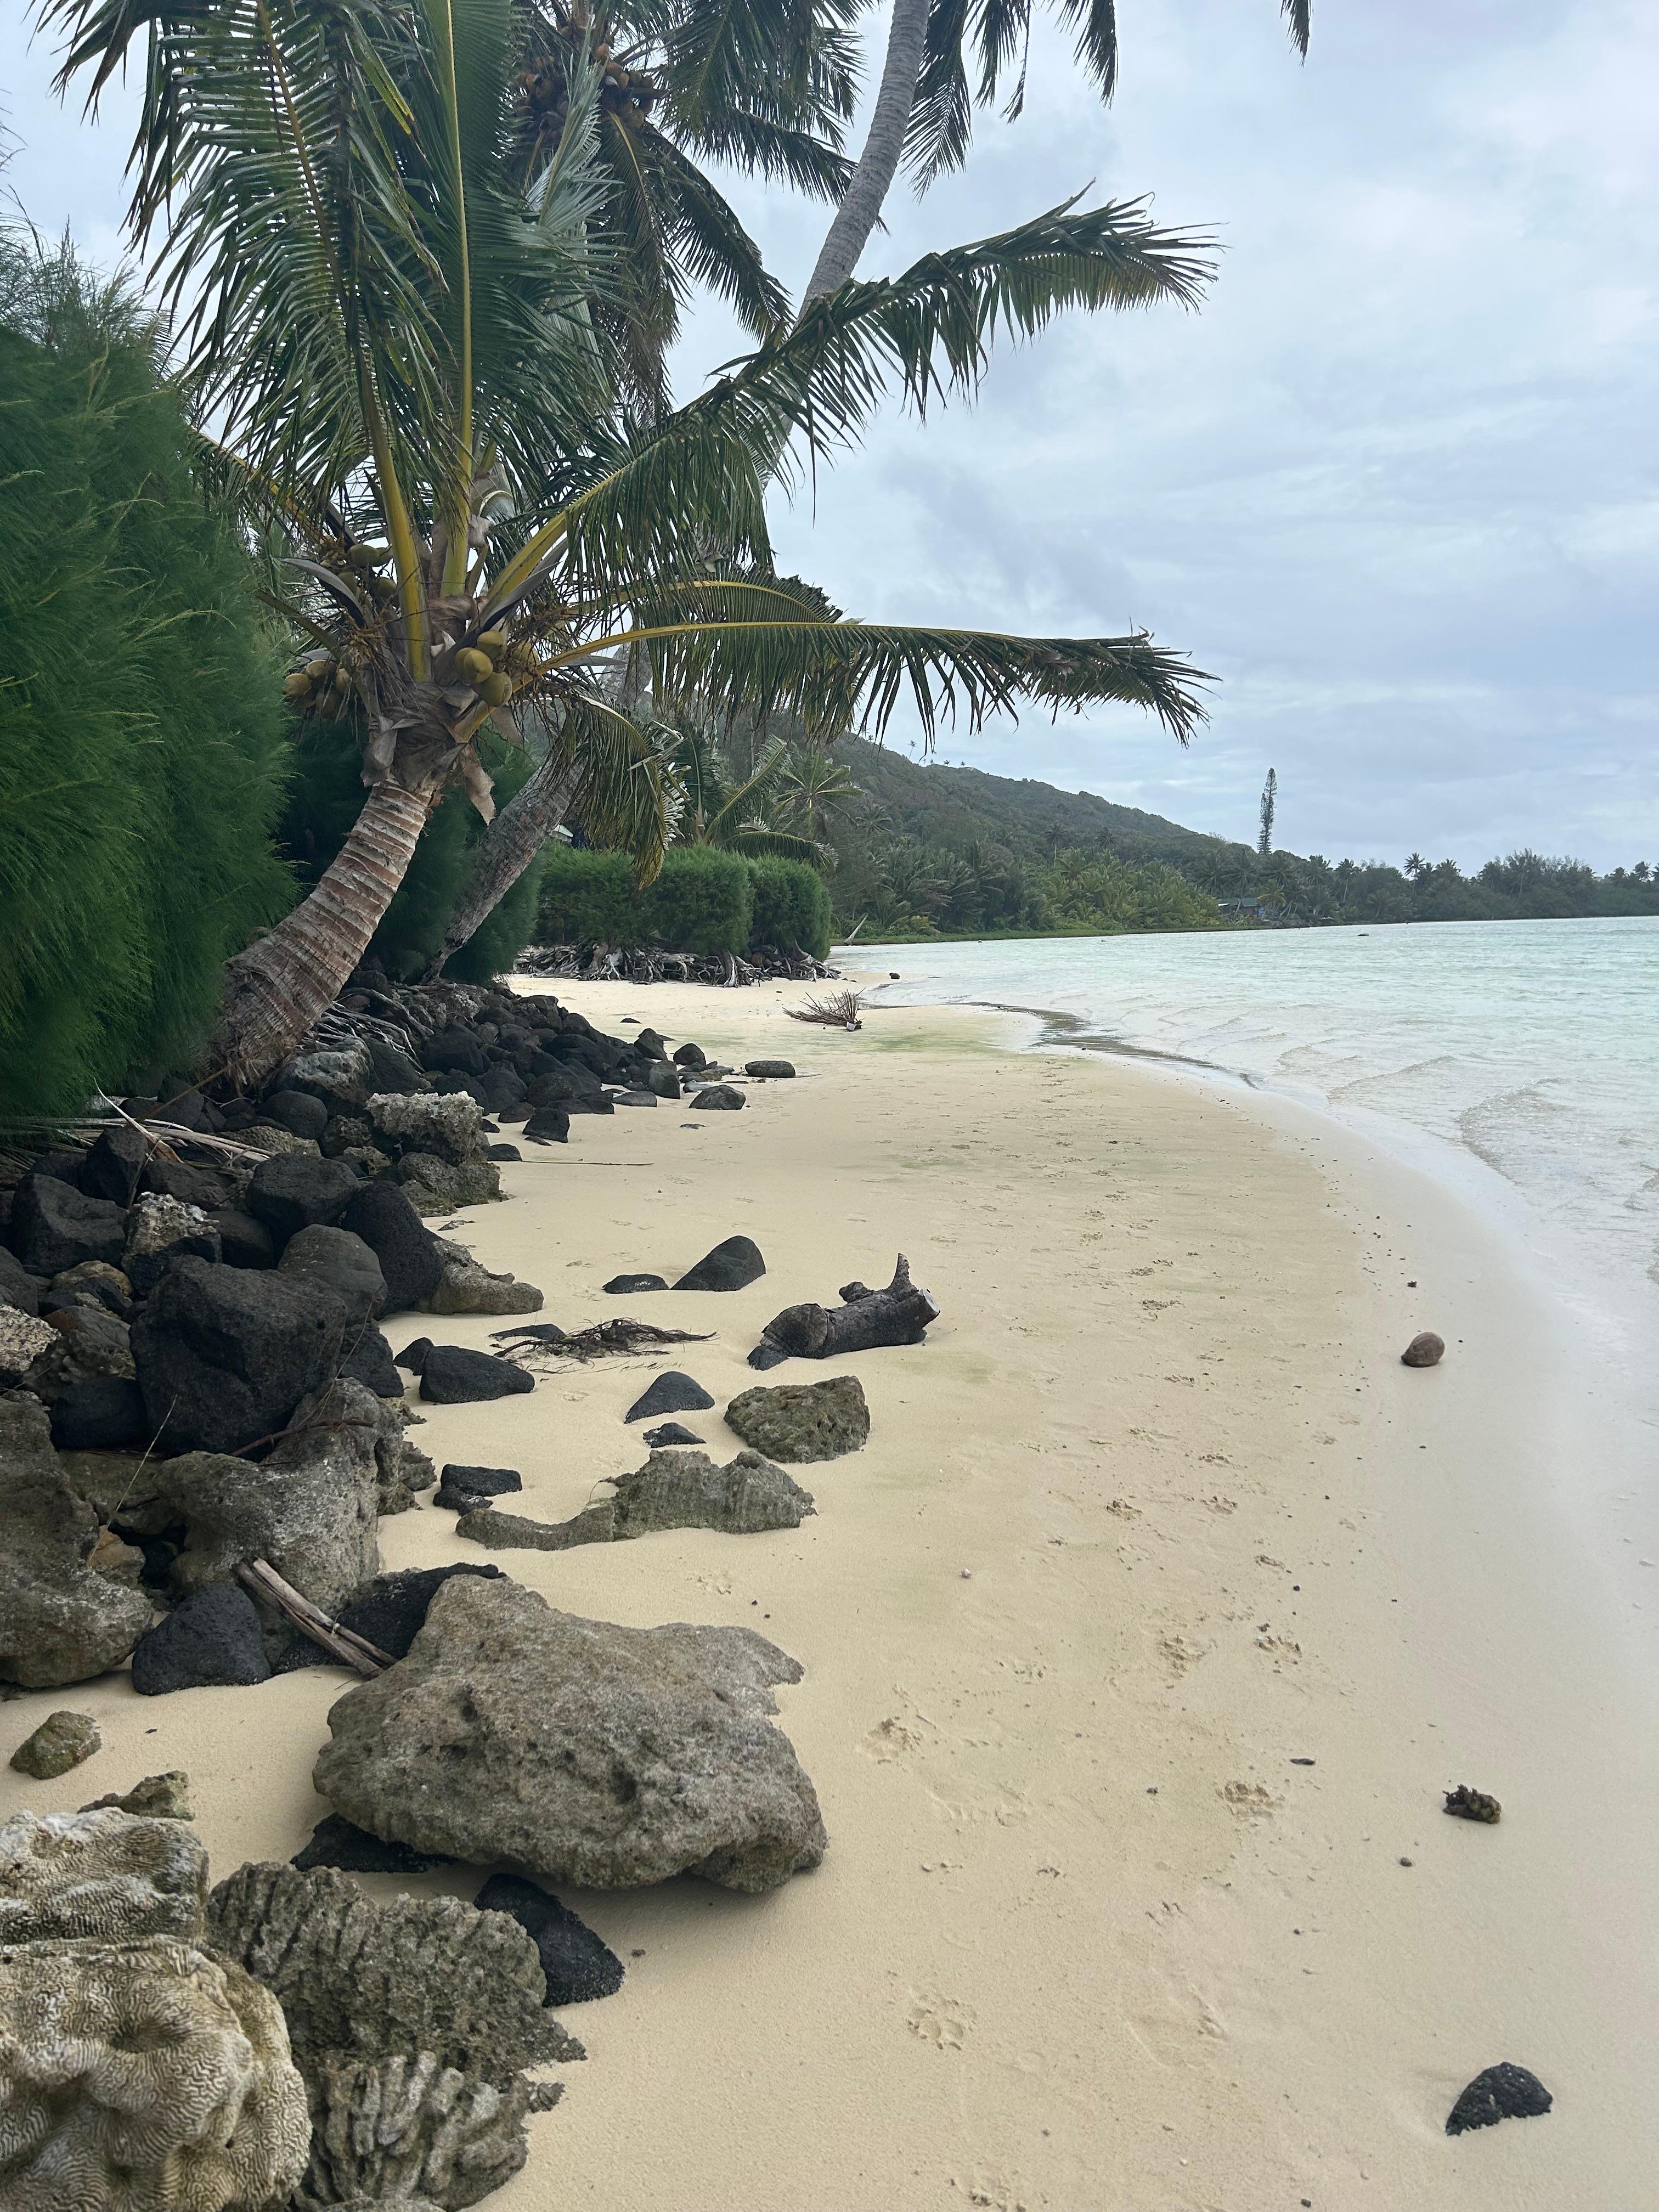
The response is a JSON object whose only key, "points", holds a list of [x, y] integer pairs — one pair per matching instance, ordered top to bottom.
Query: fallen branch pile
{"points": [[618, 1334]]}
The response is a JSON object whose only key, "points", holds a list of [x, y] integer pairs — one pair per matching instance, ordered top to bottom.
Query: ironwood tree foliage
{"points": [[142, 747]]}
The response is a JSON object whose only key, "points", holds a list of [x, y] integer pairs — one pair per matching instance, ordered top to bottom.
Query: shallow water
{"points": [[1529, 1049]]}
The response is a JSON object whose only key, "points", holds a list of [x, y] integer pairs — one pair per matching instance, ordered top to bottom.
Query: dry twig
{"points": [[844, 1011], [352, 1651]]}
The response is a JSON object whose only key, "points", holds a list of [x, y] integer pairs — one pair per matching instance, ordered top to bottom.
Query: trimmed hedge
{"points": [[142, 736], [704, 900], [792, 908]]}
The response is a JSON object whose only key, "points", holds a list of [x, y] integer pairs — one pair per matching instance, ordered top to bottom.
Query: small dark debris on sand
{"points": [[1469, 1804], [1503, 2091]]}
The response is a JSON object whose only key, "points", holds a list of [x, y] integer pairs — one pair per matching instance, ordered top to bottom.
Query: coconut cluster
{"points": [[632, 93], [494, 666], [321, 686]]}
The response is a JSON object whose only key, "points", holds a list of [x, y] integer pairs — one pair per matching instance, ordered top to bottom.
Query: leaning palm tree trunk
{"points": [[878, 165], [507, 848], [276, 989]]}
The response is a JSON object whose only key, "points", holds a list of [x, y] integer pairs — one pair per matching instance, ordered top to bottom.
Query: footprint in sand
{"points": [[1181, 1653], [889, 1739], [1249, 1800], [942, 2021]]}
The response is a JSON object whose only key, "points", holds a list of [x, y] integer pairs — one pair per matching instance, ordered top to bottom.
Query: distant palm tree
{"points": [[924, 111], [813, 789], [718, 810], [1416, 867]]}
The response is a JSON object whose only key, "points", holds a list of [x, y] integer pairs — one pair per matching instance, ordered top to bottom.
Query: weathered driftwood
{"points": [[899, 1314], [341, 1644]]}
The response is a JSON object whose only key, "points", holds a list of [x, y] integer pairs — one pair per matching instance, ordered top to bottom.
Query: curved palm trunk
{"points": [[860, 208], [506, 850], [276, 989]]}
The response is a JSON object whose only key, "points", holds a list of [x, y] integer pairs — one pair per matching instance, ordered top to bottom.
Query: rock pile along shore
{"points": [[202, 1425]]}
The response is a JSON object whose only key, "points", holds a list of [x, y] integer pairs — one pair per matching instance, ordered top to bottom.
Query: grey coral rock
{"points": [[449, 1124], [467, 1287], [802, 1421], [672, 1490], [310, 1510], [60, 1620], [588, 1753], [100, 1875], [367, 1980], [143, 2077], [383, 2128]]}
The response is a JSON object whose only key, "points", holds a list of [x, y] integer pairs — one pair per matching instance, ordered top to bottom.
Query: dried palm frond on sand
{"points": [[842, 1011]]}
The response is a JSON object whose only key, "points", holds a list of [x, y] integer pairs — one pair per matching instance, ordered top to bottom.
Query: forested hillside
{"points": [[930, 850]]}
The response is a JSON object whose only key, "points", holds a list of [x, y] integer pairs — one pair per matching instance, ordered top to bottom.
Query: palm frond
{"points": [[1299, 14], [929, 330], [831, 675], [622, 800]]}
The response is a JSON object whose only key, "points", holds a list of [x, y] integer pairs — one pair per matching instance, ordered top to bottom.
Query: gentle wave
{"points": [[1532, 1047]]}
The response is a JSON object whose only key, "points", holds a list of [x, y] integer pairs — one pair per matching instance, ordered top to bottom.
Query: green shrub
{"points": [[142, 742], [1081, 892], [586, 898], [702, 902], [792, 908]]}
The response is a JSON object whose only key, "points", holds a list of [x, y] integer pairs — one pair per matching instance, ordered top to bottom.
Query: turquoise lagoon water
{"points": [[1518, 1060]]}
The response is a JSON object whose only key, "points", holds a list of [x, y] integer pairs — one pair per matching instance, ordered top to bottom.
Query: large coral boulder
{"points": [[224, 1354], [798, 1422], [310, 1510], [60, 1620], [591, 1753], [100, 1874], [358, 1978], [143, 2077]]}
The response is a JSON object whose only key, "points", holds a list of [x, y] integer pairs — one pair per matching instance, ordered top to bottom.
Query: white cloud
{"points": [[1394, 485]]}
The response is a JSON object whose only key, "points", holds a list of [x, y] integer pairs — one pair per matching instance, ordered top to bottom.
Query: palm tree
{"points": [[769, 90], [924, 110], [401, 353], [813, 788], [722, 812]]}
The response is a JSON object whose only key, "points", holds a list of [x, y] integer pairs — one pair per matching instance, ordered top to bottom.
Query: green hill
{"points": [[959, 807]]}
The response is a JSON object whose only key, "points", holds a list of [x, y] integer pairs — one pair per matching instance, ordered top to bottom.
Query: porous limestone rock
{"points": [[448, 1125], [433, 1185], [161, 1231], [466, 1287], [22, 1339], [796, 1422], [672, 1490], [310, 1510], [60, 1620], [62, 1741], [591, 1753], [157, 1797], [102, 1875], [363, 1980], [143, 2077], [381, 2128]]}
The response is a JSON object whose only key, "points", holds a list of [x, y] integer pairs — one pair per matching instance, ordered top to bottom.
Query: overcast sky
{"points": [[1395, 485]]}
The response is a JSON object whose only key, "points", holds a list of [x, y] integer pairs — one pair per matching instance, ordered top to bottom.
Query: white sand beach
{"points": [[1141, 1641]]}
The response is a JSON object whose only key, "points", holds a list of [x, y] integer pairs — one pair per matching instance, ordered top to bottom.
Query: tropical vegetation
{"points": [[402, 324], [141, 737], [703, 900]]}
